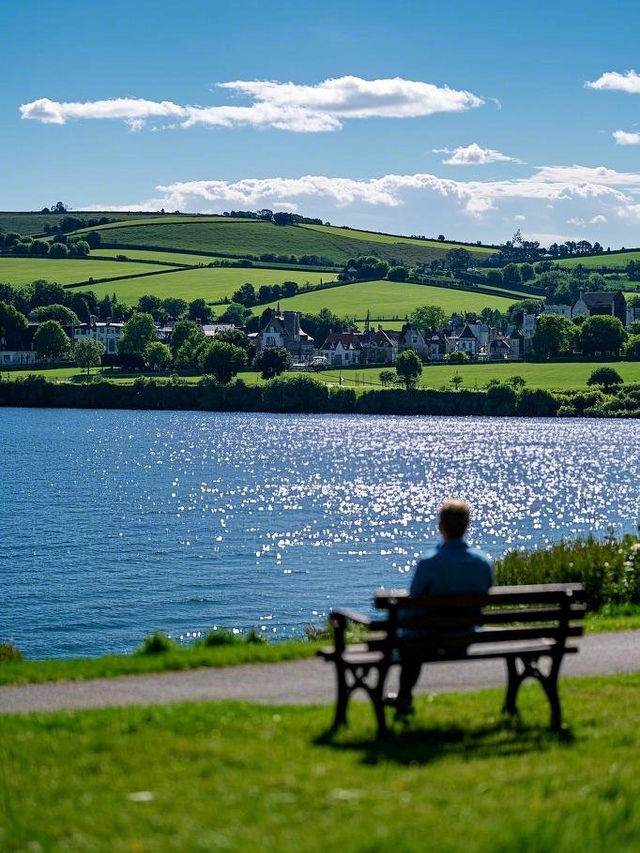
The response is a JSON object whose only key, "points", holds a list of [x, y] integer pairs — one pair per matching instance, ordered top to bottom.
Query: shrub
{"points": [[457, 357], [605, 376], [295, 394], [537, 403], [608, 570], [220, 638], [156, 643], [9, 653]]}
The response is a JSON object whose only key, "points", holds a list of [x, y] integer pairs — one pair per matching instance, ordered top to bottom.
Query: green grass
{"points": [[162, 219], [29, 224], [247, 237], [375, 237], [151, 255], [611, 260], [66, 271], [210, 283], [391, 299], [552, 376], [558, 376], [180, 658], [235, 776]]}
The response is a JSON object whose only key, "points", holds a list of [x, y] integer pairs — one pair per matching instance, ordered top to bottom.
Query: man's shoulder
{"points": [[480, 556]]}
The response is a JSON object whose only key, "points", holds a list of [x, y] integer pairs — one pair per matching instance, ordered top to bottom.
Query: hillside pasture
{"points": [[162, 219], [29, 224], [376, 237], [253, 238], [154, 255], [610, 260], [19, 271], [211, 283], [390, 299]]}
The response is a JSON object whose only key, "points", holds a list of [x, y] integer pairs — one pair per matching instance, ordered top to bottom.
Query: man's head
{"points": [[454, 519]]}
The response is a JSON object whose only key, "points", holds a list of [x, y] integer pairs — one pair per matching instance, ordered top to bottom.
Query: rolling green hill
{"points": [[29, 224], [223, 235], [376, 237], [611, 260], [68, 271], [213, 284], [388, 299]]}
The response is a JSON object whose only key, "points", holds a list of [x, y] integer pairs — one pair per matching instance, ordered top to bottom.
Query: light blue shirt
{"points": [[452, 568]]}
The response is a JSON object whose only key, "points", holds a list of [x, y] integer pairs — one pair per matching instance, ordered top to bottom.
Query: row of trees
{"points": [[67, 247], [597, 335]]}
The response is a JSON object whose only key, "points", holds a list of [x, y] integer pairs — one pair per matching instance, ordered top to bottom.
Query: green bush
{"points": [[295, 394], [609, 570], [216, 637], [156, 644], [9, 653]]}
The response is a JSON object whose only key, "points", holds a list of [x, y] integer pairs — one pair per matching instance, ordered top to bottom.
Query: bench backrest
{"points": [[438, 625]]}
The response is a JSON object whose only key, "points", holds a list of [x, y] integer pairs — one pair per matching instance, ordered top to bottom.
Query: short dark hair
{"points": [[454, 518]]}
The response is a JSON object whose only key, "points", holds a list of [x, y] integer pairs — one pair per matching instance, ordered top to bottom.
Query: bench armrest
{"points": [[343, 614]]}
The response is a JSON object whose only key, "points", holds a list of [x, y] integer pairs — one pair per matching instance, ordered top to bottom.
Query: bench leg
{"points": [[529, 669], [514, 680], [550, 685], [343, 692], [377, 697]]}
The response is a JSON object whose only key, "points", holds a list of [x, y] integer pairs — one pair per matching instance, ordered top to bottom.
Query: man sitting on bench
{"points": [[451, 568]]}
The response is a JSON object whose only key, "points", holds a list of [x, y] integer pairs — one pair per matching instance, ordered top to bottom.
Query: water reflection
{"points": [[117, 523]]}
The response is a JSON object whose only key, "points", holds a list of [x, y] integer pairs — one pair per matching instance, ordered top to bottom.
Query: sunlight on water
{"points": [[114, 524]]}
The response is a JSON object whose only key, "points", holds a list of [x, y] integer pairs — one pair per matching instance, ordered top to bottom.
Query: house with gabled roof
{"points": [[607, 302], [283, 329], [411, 337], [379, 346], [342, 349]]}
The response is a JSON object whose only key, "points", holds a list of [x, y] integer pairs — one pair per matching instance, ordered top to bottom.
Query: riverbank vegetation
{"points": [[236, 776]]}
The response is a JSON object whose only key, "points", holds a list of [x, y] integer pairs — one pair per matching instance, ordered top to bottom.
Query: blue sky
{"points": [[460, 118]]}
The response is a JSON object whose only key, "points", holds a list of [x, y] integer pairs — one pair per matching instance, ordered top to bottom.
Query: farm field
{"points": [[162, 219], [29, 224], [248, 237], [375, 237], [151, 255], [611, 260], [67, 271], [211, 283], [390, 299], [558, 376], [236, 776]]}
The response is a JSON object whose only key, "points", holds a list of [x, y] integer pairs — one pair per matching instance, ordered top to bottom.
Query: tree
{"points": [[94, 239], [40, 248], [58, 250], [458, 260], [527, 272], [398, 273], [511, 275], [495, 277], [48, 293], [245, 295], [150, 304], [174, 306], [199, 310], [235, 314], [65, 316], [428, 317], [13, 325], [184, 330], [139, 331], [602, 333], [554, 334], [239, 339], [50, 340], [632, 348], [88, 353], [157, 355], [458, 357], [222, 360], [272, 361], [408, 367], [387, 377], [607, 377], [456, 380], [517, 382]]}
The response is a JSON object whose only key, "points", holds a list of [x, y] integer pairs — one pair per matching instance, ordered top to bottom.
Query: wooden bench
{"points": [[521, 624]]}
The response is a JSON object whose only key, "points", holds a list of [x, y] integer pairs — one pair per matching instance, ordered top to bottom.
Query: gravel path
{"points": [[296, 682]]}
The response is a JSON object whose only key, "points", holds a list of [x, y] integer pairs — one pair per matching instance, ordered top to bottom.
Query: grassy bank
{"points": [[233, 776]]}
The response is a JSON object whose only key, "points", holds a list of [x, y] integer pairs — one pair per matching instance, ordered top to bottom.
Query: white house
{"points": [[563, 310], [108, 334], [342, 349], [17, 358]]}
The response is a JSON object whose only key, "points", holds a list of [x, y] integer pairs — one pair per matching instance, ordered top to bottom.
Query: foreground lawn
{"points": [[233, 776]]}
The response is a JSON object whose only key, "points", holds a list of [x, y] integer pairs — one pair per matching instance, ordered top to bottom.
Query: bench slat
{"points": [[497, 595]]}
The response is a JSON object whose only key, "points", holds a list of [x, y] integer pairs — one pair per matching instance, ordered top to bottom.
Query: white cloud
{"points": [[614, 81], [285, 106], [622, 137], [473, 155], [476, 198], [520, 218], [576, 220], [598, 220]]}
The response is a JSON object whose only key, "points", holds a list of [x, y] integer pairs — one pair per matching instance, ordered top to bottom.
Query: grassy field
{"points": [[164, 219], [28, 224], [372, 236], [248, 237], [151, 255], [612, 260], [66, 271], [210, 283], [391, 299], [559, 376], [235, 776]]}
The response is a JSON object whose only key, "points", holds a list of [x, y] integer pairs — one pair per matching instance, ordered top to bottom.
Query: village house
{"points": [[611, 303], [563, 310], [282, 329], [108, 334], [411, 337], [516, 344], [436, 346], [379, 347], [500, 348], [342, 349]]}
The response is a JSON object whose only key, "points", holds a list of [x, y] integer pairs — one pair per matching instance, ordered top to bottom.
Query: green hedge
{"points": [[303, 394]]}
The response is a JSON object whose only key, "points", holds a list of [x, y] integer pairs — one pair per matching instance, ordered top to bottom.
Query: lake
{"points": [[117, 523]]}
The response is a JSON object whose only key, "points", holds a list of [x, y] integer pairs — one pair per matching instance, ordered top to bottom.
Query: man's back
{"points": [[452, 568]]}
